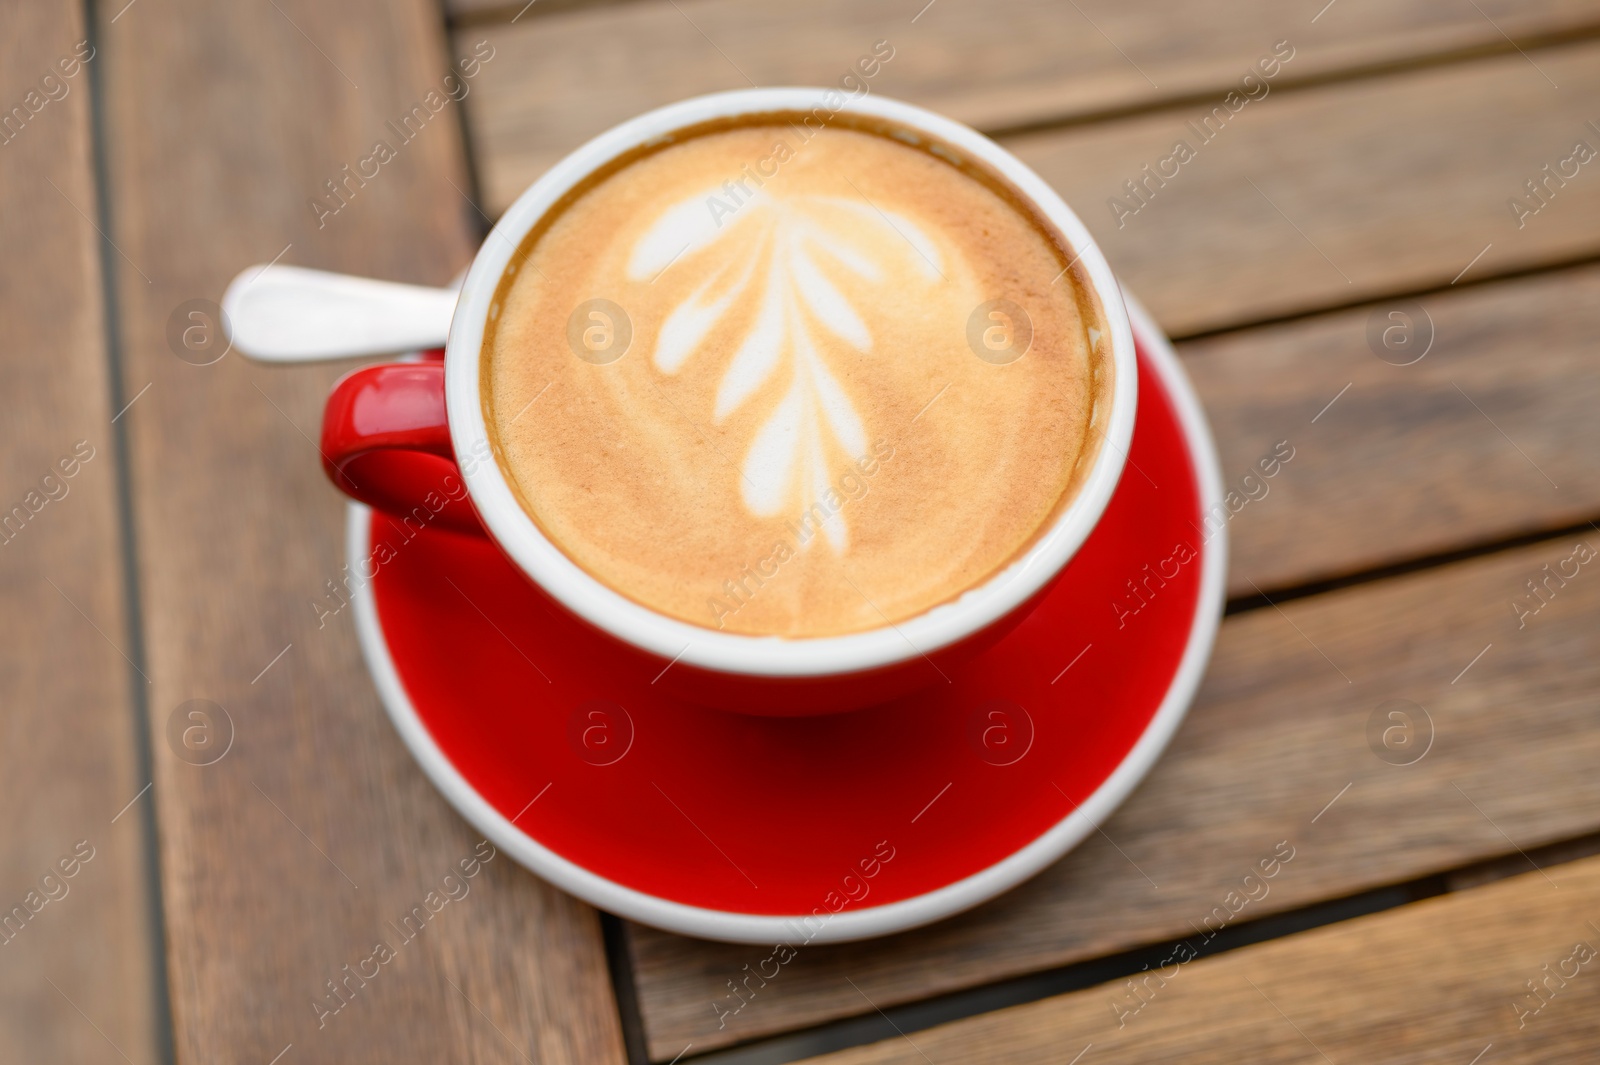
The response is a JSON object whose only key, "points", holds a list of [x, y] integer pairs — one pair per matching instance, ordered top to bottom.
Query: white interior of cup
{"points": [[774, 656]]}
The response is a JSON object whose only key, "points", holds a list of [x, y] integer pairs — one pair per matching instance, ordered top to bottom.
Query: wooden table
{"points": [[1441, 908]]}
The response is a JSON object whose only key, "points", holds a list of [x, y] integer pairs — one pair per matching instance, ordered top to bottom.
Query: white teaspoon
{"points": [[291, 314]]}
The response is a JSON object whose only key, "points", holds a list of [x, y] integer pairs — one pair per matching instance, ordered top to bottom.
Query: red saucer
{"points": [[723, 825]]}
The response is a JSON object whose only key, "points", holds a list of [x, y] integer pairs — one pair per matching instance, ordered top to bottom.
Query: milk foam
{"points": [[800, 437]]}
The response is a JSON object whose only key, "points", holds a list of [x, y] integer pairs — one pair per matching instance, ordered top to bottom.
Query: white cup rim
{"points": [[772, 656]]}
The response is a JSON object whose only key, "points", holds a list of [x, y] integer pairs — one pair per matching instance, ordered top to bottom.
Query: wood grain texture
{"points": [[477, 12], [999, 65], [1340, 193], [1487, 437], [1381, 473], [1278, 731], [303, 847], [76, 953], [1437, 981]]}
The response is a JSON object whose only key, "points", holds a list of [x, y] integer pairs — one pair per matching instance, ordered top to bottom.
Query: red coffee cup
{"points": [[411, 439]]}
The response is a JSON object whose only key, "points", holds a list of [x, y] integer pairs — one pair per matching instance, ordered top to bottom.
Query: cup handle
{"points": [[386, 443]]}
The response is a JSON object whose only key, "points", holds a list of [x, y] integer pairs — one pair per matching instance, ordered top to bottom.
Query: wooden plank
{"points": [[481, 12], [1000, 65], [1309, 203], [1409, 460], [1279, 732], [288, 859], [77, 952], [1442, 980]]}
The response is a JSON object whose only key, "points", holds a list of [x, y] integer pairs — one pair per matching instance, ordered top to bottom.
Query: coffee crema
{"points": [[786, 381]]}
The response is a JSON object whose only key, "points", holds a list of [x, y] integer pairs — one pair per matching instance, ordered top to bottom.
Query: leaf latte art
{"points": [[786, 241], [749, 378]]}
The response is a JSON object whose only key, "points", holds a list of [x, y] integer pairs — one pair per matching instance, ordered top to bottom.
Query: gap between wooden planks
{"points": [[997, 66], [1276, 735], [287, 860], [78, 972], [1508, 973]]}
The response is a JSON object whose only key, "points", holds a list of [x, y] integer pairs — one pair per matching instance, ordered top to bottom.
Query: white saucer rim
{"points": [[872, 921]]}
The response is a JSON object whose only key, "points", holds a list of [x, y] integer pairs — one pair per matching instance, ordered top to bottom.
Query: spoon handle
{"points": [[291, 314]]}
